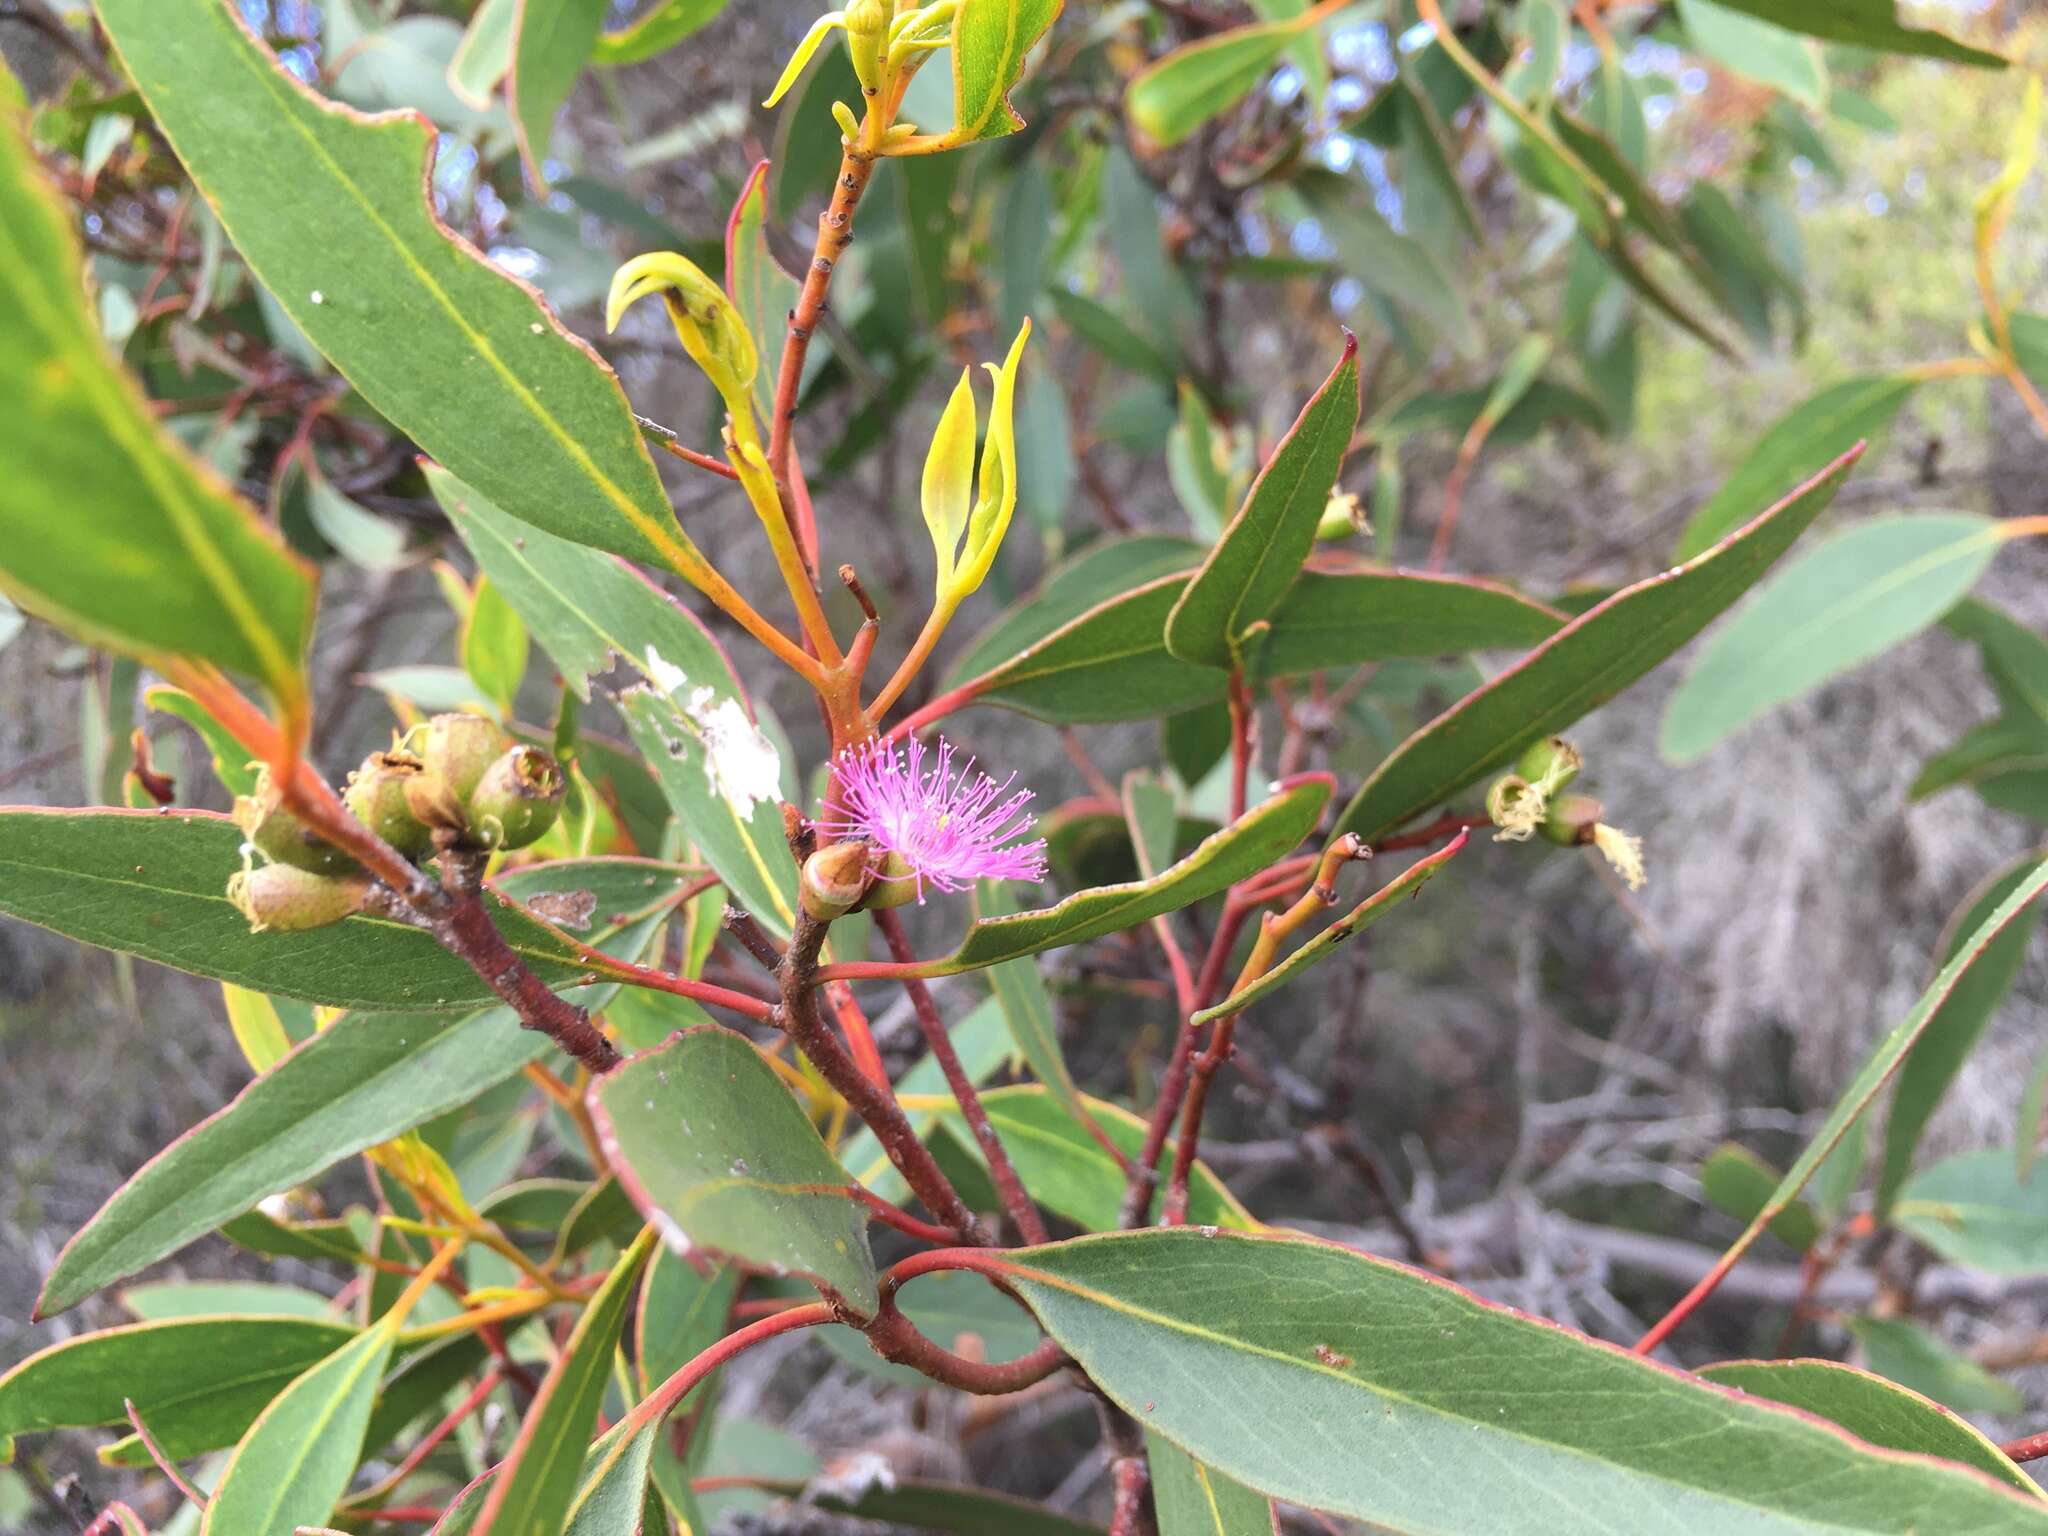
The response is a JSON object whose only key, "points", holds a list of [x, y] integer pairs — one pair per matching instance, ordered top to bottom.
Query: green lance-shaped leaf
{"points": [[1864, 24], [655, 30], [551, 39], [990, 41], [1756, 49], [484, 56], [1172, 98], [330, 210], [763, 293], [1801, 443], [111, 528], [1248, 572], [1868, 588], [1340, 619], [1110, 663], [1579, 668], [719, 772], [1266, 832], [156, 886], [1324, 944], [1026, 1004], [1949, 1039], [1877, 1070], [362, 1080], [715, 1152], [1067, 1170], [1739, 1184], [1976, 1209], [1900, 1350], [1362, 1381], [198, 1382], [1873, 1409], [295, 1462], [539, 1479], [608, 1497], [1193, 1499]]}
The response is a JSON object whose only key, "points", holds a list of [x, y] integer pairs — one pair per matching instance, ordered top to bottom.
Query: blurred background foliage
{"points": [[1529, 1084]]}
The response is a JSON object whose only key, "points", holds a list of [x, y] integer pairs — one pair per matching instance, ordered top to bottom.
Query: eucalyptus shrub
{"points": [[669, 951]]}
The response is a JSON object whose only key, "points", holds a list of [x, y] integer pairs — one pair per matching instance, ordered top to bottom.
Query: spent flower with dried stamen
{"points": [[935, 823]]}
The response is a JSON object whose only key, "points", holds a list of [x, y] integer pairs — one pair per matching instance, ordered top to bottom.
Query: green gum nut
{"points": [[457, 749], [1551, 763], [376, 797], [518, 799], [1571, 820], [281, 837], [281, 899]]}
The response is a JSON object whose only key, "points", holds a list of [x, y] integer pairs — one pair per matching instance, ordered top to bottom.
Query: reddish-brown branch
{"points": [[675, 445], [1241, 707], [1445, 826], [874, 1102], [1015, 1200], [894, 1215], [485, 1386], [658, 1403], [2028, 1448]]}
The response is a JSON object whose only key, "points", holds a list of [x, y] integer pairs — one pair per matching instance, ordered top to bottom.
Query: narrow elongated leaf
{"points": [[1866, 24], [655, 30], [990, 41], [1756, 49], [484, 56], [1199, 82], [330, 210], [760, 290], [1802, 442], [113, 530], [1260, 553], [1099, 573], [1843, 602], [1328, 619], [1111, 663], [1579, 668], [691, 719], [1266, 832], [156, 886], [1350, 925], [1027, 1006], [1950, 1038], [1884, 1060], [362, 1080], [715, 1152], [1067, 1171], [1739, 1183], [1976, 1209], [683, 1312], [1900, 1350], [1305, 1371], [198, 1381], [1872, 1409], [297, 1458], [539, 1479], [608, 1498], [1192, 1499]]}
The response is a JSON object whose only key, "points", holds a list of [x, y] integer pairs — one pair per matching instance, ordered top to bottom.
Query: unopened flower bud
{"points": [[867, 31], [1343, 516], [457, 749], [375, 796], [518, 799], [1571, 820], [281, 836], [835, 878], [280, 898]]}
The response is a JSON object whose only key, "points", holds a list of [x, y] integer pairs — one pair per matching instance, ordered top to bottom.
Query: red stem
{"points": [[1240, 742], [1001, 1169], [2030, 1448]]}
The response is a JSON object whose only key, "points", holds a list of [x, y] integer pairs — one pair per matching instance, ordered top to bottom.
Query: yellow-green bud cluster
{"points": [[457, 782], [1527, 802]]}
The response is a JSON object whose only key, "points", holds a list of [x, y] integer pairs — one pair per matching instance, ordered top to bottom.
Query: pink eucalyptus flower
{"points": [[950, 826]]}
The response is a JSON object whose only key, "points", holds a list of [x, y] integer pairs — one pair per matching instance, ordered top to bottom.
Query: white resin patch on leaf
{"points": [[740, 761]]}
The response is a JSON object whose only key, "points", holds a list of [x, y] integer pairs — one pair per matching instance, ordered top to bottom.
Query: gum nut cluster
{"points": [[456, 782]]}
